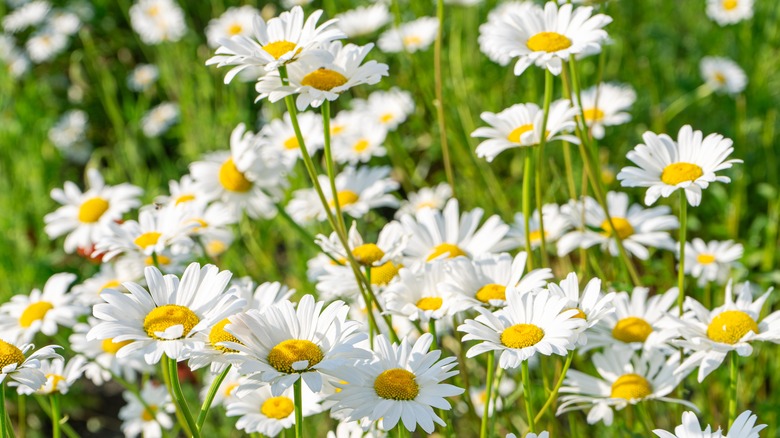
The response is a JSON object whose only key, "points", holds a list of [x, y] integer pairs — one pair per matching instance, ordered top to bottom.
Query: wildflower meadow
{"points": [[389, 218]]}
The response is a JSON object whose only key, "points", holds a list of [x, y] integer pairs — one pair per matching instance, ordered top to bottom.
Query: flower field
{"points": [[390, 218]]}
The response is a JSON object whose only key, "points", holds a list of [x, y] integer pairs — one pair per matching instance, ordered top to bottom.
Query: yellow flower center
{"points": [[730, 4], [153, 11], [234, 29], [412, 40], [548, 42], [278, 48], [720, 78], [324, 79], [593, 114], [386, 118], [337, 129], [516, 133], [291, 143], [361, 145], [677, 173], [232, 179], [345, 197], [185, 198], [92, 209], [622, 227], [536, 236], [148, 239], [215, 248], [446, 248], [368, 254], [705, 259], [161, 260], [381, 275], [113, 284], [491, 291], [429, 303], [34, 312], [580, 314], [166, 316], [730, 326], [632, 329], [219, 334], [521, 336], [109, 346], [10, 354], [284, 355], [55, 381], [396, 384], [631, 387], [229, 389], [278, 408], [149, 414]]}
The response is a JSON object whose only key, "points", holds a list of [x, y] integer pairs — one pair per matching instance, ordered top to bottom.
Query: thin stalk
{"points": [[439, 88], [548, 92], [685, 101], [331, 168], [527, 209], [305, 234], [681, 270], [432, 331], [491, 372], [556, 388], [733, 388], [133, 389], [298, 394], [527, 397], [46, 407], [204, 409], [55, 416], [645, 418], [3, 421], [21, 422], [190, 426]]}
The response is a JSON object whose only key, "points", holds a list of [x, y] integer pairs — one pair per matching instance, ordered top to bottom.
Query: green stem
{"points": [[439, 87], [548, 92], [685, 101], [331, 168], [527, 208], [305, 234], [681, 270], [432, 331], [491, 372], [556, 388], [733, 388], [297, 390], [178, 397], [527, 397], [21, 407], [46, 407], [204, 409], [3, 411], [55, 416], [645, 419]]}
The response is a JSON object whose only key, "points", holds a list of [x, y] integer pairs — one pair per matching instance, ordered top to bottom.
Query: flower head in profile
{"points": [[725, 12], [363, 20], [157, 21], [234, 21], [410, 37], [723, 75], [606, 104], [425, 198], [555, 225], [711, 261], [417, 295], [592, 305], [22, 369], [59, 376], [259, 411], [138, 420], [744, 426]]}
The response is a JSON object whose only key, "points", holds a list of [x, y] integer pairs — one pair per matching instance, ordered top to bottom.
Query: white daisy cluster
{"points": [[47, 30]]}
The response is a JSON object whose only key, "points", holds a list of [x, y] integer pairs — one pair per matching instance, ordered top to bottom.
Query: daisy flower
{"points": [[725, 12], [27, 15], [363, 20], [157, 21], [234, 21], [64, 22], [492, 33], [410, 37], [546, 37], [278, 42], [45, 45], [16, 61], [723, 75], [142, 77], [605, 105], [387, 108], [159, 119], [520, 125], [69, 135], [281, 138], [354, 148], [689, 163], [358, 190], [182, 192], [427, 197], [84, 215], [555, 225], [637, 227], [447, 234], [711, 261], [111, 276], [486, 280], [417, 295], [591, 304], [24, 316], [164, 318], [530, 323], [734, 326], [285, 343], [103, 363], [21, 369], [59, 376], [625, 378], [400, 383], [226, 390], [478, 396], [259, 411], [137, 420], [744, 427]]}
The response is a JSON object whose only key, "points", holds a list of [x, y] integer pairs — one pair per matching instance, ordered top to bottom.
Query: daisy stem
{"points": [[439, 86], [548, 92], [330, 167], [527, 209], [307, 237], [681, 270], [432, 331], [491, 372], [733, 388], [133, 389], [297, 391], [554, 394], [178, 396], [527, 397], [46, 407], [21, 408], [204, 410], [55, 416], [645, 418], [3, 421]]}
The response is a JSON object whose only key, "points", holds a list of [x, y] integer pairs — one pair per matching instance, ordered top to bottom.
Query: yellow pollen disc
{"points": [[729, 4], [153, 11], [234, 29], [412, 40], [548, 42], [278, 48], [720, 78], [324, 79], [593, 115], [386, 118], [336, 129], [516, 133], [291, 143], [361, 145], [677, 173], [232, 179], [345, 197], [185, 198], [92, 209], [201, 224], [622, 226], [536, 236], [146, 240], [215, 248], [446, 248], [368, 254], [161, 259], [705, 259], [381, 275], [113, 284], [491, 291], [429, 303], [34, 312], [580, 314], [169, 315], [730, 326], [632, 329], [219, 334], [521, 336], [109, 346], [290, 351], [10, 354], [55, 381], [396, 384], [631, 387], [229, 389], [278, 408], [149, 414]]}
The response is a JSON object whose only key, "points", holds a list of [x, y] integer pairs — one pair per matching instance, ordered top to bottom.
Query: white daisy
{"points": [[725, 12], [29, 14], [363, 20], [157, 21], [234, 21], [64, 22], [492, 33], [410, 37], [16, 62], [723, 75], [142, 77], [606, 104], [387, 108], [159, 119], [520, 125], [70, 129], [280, 137], [360, 147], [689, 163], [427, 197], [555, 225], [637, 227], [711, 261], [111, 276], [417, 295], [591, 304], [164, 318], [530, 323], [734, 326], [103, 363], [23, 370], [59, 376], [625, 378], [400, 383], [226, 390], [478, 395], [259, 411], [138, 420], [744, 427]]}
